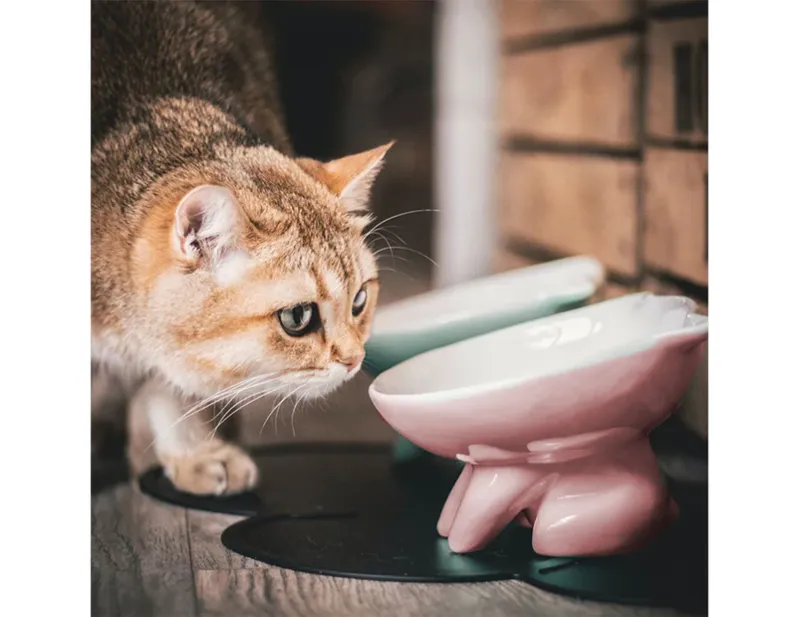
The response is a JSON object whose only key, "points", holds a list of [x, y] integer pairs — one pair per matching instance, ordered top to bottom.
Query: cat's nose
{"points": [[352, 362]]}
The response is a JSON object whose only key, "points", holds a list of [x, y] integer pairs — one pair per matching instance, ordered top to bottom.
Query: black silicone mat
{"points": [[354, 511], [395, 539]]}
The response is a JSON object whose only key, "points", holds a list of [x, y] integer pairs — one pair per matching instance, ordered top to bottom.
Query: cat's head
{"points": [[255, 267]]}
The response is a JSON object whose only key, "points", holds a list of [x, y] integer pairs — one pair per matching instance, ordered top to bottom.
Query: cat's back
{"points": [[214, 51]]}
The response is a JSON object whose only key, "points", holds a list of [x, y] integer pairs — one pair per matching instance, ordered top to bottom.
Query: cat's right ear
{"points": [[349, 178], [207, 224]]}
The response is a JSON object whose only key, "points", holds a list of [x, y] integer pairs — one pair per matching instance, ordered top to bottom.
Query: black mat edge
{"points": [[148, 482], [230, 535], [229, 540]]}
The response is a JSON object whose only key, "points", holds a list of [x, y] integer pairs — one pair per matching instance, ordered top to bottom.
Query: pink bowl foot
{"points": [[550, 418], [608, 502]]}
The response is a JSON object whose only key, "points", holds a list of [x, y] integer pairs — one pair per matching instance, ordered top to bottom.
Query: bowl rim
{"points": [[571, 291], [691, 335]]}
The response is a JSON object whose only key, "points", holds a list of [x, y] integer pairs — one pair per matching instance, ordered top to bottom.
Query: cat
{"points": [[223, 264]]}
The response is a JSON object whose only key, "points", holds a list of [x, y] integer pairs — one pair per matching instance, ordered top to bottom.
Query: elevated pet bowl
{"points": [[444, 316], [551, 419]]}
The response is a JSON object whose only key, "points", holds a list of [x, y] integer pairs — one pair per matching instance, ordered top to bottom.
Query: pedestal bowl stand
{"points": [[551, 419]]}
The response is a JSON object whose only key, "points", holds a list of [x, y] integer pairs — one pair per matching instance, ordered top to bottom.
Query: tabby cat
{"points": [[222, 264]]}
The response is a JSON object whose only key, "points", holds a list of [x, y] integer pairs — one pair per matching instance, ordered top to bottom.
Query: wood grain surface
{"points": [[523, 18], [580, 93], [677, 93], [572, 204], [675, 238], [505, 259], [155, 560]]}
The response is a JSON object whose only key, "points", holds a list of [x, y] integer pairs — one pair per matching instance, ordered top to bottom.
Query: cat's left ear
{"points": [[349, 178], [207, 224]]}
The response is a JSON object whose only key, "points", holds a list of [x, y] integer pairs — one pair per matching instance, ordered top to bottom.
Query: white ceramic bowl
{"points": [[412, 326]]}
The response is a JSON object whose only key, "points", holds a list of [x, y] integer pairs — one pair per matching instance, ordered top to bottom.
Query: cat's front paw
{"points": [[215, 468]]}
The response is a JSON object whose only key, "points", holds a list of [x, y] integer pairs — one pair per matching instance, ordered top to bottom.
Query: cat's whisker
{"points": [[397, 216], [388, 230], [379, 237], [388, 245], [415, 251], [394, 257], [394, 267], [383, 269], [232, 390], [240, 391], [221, 394], [233, 397], [253, 398], [241, 404], [276, 407], [294, 409], [190, 413], [277, 415]]}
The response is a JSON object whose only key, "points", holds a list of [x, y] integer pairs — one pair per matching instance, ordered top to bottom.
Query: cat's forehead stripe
{"points": [[340, 252], [323, 291]]}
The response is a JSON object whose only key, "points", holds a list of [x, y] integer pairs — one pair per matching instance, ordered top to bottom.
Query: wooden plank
{"points": [[660, 3], [536, 17], [582, 93], [677, 95], [572, 205], [675, 238], [506, 259], [207, 551], [140, 557], [286, 593]]}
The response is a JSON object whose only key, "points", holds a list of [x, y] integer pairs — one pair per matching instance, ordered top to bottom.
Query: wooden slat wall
{"points": [[526, 18], [678, 72], [579, 93], [603, 120], [572, 204], [675, 213]]}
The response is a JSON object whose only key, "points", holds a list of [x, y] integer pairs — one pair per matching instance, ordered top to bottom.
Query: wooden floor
{"points": [[152, 559]]}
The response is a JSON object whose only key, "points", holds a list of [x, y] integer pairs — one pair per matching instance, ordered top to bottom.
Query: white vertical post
{"points": [[465, 139]]}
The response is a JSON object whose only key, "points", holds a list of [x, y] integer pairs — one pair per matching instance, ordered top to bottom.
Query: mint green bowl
{"points": [[448, 315]]}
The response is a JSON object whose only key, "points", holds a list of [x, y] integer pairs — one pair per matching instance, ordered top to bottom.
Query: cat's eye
{"points": [[359, 302], [299, 320]]}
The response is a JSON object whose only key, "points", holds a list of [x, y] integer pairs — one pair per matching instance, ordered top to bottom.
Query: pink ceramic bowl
{"points": [[551, 418]]}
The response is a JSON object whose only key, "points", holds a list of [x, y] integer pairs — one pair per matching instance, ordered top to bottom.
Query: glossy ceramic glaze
{"points": [[410, 327], [551, 418]]}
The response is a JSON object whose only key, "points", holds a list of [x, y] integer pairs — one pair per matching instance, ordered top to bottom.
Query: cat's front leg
{"points": [[193, 462]]}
